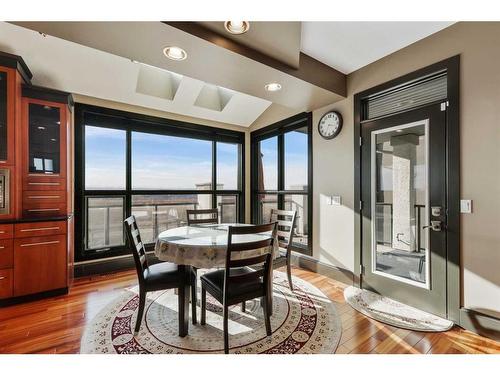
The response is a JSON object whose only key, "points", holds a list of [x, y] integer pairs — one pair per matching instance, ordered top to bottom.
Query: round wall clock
{"points": [[330, 124]]}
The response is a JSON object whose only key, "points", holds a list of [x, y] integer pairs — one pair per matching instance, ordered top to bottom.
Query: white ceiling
{"points": [[348, 46], [68, 66]]}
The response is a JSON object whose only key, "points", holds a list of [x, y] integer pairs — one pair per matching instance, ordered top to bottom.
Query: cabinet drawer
{"points": [[33, 182], [33, 197], [44, 209], [42, 228], [6, 231], [6, 253], [40, 264], [6, 284]]}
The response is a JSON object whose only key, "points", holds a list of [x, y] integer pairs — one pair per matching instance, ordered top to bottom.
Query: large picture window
{"points": [[153, 168], [282, 175]]}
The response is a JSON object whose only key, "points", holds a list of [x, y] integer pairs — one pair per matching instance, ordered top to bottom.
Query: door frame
{"points": [[453, 278]]}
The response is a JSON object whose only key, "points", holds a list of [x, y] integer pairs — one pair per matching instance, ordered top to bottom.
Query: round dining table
{"points": [[202, 246]]}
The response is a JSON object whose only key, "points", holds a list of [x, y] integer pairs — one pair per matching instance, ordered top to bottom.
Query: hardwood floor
{"points": [[55, 325]]}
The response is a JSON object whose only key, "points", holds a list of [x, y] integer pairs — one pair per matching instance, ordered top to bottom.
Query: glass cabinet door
{"points": [[3, 116], [44, 139]]}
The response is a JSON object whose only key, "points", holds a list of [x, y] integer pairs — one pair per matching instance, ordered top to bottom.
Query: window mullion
{"points": [[281, 169], [214, 174], [128, 175]]}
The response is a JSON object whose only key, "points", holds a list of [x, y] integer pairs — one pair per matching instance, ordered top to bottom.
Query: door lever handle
{"points": [[436, 226]]}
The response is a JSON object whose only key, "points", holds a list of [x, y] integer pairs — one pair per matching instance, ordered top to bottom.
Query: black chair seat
{"points": [[162, 276], [214, 282]]}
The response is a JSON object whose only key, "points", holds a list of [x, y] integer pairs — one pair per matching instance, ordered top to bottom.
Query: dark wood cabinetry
{"points": [[36, 156]]}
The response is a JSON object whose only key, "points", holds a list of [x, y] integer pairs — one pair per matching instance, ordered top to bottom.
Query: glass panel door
{"points": [[44, 139], [400, 202], [403, 214]]}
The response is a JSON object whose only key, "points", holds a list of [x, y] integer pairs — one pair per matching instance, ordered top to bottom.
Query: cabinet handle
{"points": [[44, 174], [44, 183], [44, 196], [43, 209], [37, 229], [2, 231], [39, 243], [2, 247], [2, 277]]}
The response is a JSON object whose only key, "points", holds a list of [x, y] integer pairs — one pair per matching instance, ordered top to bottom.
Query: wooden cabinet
{"points": [[7, 115], [36, 155], [45, 165], [6, 231], [6, 253], [40, 264], [6, 283]]}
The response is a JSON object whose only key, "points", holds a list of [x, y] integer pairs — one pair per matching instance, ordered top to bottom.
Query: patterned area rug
{"points": [[394, 313], [303, 321]]}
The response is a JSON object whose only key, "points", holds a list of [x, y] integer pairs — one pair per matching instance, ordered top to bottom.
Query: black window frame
{"points": [[134, 122], [279, 130]]}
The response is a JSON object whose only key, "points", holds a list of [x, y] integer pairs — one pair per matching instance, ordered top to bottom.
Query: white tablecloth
{"points": [[204, 246]]}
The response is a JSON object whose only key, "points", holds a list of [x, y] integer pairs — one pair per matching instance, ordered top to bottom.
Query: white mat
{"points": [[394, 313]]}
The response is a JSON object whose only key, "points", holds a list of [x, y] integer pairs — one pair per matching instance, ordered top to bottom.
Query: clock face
{"points": [[330, 125]]}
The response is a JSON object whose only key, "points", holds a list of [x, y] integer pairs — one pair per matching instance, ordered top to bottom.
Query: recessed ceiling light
{"points": [[237, 27], [175, 53], [273, 86]]}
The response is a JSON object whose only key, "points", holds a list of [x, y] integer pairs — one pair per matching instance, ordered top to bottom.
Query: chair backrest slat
{"points": [[193, 216], [285, 221], [268, 232], [250, 245], [136, 246], [248, 261]]}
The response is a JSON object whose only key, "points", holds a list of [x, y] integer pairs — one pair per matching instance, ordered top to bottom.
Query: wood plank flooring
{"points": [[55, 325]]}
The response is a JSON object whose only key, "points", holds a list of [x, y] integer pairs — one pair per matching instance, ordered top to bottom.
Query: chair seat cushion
{"points": [[162, 276], [215, 282]]}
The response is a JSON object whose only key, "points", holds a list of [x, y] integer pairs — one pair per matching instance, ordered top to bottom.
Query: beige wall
{"points": [[477, 43]]}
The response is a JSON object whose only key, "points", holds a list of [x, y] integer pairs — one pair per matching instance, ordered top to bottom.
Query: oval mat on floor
{"points": [[394, 313], [303, 321]]}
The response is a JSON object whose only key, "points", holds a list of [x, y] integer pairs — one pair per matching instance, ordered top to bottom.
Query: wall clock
{"points": [[330, 124]]}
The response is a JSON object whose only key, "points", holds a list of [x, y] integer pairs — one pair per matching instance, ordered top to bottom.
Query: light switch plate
{"points": [[335, 200], [466, 206]]}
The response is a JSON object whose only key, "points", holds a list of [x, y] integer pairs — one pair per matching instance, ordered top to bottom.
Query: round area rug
{"points": [[394, 313], [303, 321]]}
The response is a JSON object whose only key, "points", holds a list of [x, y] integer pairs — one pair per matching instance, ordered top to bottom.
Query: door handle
{"points": [[436, 226]]}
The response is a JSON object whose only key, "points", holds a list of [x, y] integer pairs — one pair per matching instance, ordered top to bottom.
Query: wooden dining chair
{"points": [[209, 216], [196, 217], [285, 225], [159, 276], [238, 281]]}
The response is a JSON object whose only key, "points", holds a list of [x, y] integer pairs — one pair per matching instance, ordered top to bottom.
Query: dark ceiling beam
{"points": [[309, 70]]}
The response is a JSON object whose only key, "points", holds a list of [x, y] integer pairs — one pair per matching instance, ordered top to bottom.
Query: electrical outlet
{"points": [[466, 206]]}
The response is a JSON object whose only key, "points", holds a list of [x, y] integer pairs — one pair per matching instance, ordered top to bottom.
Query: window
{"points": [[105, 155], [160, 162], [228, 162], [153, 168], [281, 175], [156, 213], [105, 216]]}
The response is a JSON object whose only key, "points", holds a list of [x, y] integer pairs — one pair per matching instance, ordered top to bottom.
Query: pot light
{"points": [[237, 27], [175, 53], [274, 86]]}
